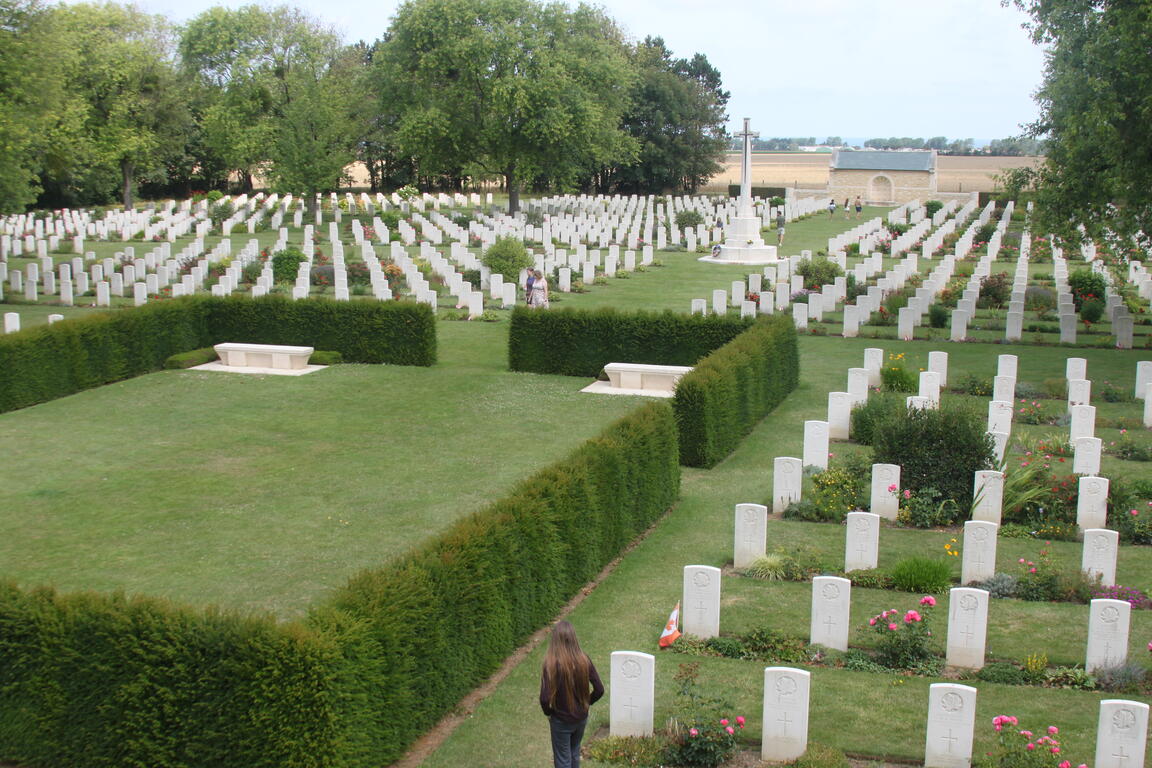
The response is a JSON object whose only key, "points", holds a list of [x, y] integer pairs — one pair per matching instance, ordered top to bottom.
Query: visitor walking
{"points": [[859, 206], [831, 208], [847, 209], [779, 226], [528, 286], [538, 296], [569, 685]]}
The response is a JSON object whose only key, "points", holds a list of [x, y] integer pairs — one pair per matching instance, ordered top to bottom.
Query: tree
{"points": [[121, 72], [509, 88], [280, 92], [31, 98], [1095, 104], [676, 115], [833, 141]]}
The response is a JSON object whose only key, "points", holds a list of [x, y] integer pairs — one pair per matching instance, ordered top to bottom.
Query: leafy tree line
{"points": [[104, 102], [1095, 104], [1014, 146]]}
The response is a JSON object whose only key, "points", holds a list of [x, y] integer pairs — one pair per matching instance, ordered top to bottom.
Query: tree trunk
{"points": [[127, 167], [246, 181], [512, 181]]}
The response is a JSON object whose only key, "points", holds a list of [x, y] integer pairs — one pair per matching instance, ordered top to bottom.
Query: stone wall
{"points": [[881, 186]]}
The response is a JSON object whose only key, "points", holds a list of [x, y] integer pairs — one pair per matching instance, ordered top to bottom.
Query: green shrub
{"points": [[931, 207], [221, 210], [686, 219], [507, 256], [286, 264], [818, 271], [1085, 285], [995, 290], [1091, 310], [938, 316], [574, 342], [322, 357], [191, 359], [48, 362], [975, 385], [728, 392], [879, 408], [938, 449], [837, 492], [927, 508], [808, 511], [768, 568], [922, 574], [1000, 585], [904, 641], [764, 644], [728, 647], [1004, 673], [1121, 678], [638, 751], [821, 756]]}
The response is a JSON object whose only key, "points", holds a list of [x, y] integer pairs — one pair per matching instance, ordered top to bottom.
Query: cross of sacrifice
{"points": [[747, 134], [950, 739]]}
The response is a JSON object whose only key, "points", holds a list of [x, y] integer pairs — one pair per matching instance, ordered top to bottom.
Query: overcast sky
{"points": [[851, 68]]}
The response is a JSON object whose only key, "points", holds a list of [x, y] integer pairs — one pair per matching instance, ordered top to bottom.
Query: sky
{"points": [[849, 68]]}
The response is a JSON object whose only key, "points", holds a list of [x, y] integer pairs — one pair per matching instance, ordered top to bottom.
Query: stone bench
{"points": [[274, 356], [662, 378]]}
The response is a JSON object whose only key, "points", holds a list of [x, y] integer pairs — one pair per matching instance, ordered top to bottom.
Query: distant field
{"points": [[810, 171]]}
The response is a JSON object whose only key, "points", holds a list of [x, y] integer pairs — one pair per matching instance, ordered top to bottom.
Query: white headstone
{"points": [[720, 301], [699, 306], [800, 315], [52, 319], [873, 362], [938, 362], [1006, 365], [1076, 368], [1143, 377], [858, 382], [930, 387], [1004, 388], [1079, 392], [839, 415], [1000, 416], [1083, 422], [816, 443], [999, 445], [1086, 455], [787, 482], [988, 495], [885, 500], [1092, 502], [751, 534], [861, 541], [978, 555], [1099, 556], [831, 600], [701, 607], [1108, 622], [967, 627], [631, 701], [951, 720], [1121, 734], [784, 735]]}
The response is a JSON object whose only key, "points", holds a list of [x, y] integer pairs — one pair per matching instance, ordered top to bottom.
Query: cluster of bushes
{"points": [[573, 342], [48, 362], [727, 394], [105, 680]]}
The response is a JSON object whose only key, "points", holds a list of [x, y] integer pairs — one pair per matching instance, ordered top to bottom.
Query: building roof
{"points": [[882, 160]]}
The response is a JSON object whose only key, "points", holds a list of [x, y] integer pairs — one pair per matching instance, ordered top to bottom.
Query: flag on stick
{"points": [[671, 629]]}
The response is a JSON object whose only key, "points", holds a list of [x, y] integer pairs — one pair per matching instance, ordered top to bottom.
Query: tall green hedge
{"points": [[573, 342], [48, 362], [719, 402], [99, 680]]}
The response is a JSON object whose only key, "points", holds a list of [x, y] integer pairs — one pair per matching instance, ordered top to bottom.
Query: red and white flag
{"points": [[671, 629]]}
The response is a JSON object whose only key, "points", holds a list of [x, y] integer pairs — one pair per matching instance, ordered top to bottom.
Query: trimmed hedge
{"points": [[573, 342], [191, 359], [48, 362], [727, 394], [106, 681]]}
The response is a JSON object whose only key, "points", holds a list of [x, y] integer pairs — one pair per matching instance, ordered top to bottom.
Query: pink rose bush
{"points": [[904, 639], [1021, 748]]}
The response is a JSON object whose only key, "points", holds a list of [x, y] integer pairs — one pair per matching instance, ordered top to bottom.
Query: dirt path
{"points": [[431, 741]]}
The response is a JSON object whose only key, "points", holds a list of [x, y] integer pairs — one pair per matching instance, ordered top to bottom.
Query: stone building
{"points": [[882, 177]]}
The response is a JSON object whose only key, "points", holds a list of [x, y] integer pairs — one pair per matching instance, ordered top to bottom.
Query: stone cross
{"points": [[744, 208]]}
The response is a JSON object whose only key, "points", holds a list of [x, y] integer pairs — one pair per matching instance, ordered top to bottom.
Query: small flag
{"points": [[671, 629]]}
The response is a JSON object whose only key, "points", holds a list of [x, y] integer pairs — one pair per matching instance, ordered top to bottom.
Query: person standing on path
{"points": [[539, 294], [569, 685]]}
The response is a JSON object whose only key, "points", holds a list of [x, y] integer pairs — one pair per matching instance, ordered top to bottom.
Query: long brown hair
{"points": [[566, 667]]}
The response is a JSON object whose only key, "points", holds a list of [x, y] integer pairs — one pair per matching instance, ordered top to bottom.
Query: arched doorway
{"points": [[881, 190]]}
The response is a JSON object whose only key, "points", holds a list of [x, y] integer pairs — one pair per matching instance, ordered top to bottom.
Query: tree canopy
{"points": [[99, 99], [1095, 117]]}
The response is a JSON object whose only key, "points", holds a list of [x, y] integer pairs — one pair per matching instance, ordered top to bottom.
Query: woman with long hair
{"points": [[569, 685]]}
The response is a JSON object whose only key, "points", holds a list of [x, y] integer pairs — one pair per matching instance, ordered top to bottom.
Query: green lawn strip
{"points": [[262, 493], [863, 713]]}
